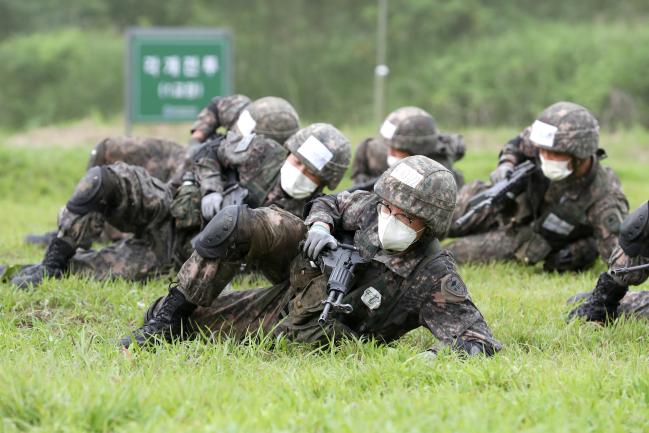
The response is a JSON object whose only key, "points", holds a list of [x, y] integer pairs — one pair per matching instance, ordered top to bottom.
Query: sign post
{"points": [[172, 73]]}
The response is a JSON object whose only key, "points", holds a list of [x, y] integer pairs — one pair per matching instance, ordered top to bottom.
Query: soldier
{"points": [[405, 132], [162, 159], [245, 165], [572, 208], [407, 281], [611, 296]]}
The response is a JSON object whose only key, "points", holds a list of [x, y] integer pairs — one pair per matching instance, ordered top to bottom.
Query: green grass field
{"points": [[61, 370]]}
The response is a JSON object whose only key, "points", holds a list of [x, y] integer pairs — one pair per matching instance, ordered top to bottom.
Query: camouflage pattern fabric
{"points": [[222, 111], [370, 159], [583, 214], [264, 240], [419, 287]]}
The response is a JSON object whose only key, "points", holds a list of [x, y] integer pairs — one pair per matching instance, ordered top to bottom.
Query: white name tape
{"points": [[246, 124], [388, 129], [543, 134], [315, 152], [408, 175]]}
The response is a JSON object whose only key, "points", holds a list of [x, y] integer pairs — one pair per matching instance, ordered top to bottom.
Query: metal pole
{"points": [[381, 70], [128, 126]]}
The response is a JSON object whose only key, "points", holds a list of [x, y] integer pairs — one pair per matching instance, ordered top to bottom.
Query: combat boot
{"points": [[41, 240], [55, 263], [602, 304], [167, 322]]}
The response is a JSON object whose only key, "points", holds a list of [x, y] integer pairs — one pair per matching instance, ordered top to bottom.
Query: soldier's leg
{"points": [[126, 196], [266, 238], [496, 245], [635, 304]]}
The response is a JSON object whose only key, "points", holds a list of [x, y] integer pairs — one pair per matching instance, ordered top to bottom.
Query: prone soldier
{"points": [[406, 131], [567, 213], [165, 217], [628, 266], [405, 279]]}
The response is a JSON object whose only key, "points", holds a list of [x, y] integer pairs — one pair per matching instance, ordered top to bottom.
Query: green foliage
{"points": [[51, 77]]}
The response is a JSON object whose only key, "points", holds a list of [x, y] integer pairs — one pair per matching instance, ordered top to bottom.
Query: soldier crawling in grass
{"points": [[406, 131], [162, 159], [571, 209], [165, 220], [407, 280], [611, 296]]}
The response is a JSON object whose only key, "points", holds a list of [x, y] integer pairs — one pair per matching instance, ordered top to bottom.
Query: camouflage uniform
{"points": [[418, 138], [164, 217], [565, 223], [419, 287], [611, 296]]}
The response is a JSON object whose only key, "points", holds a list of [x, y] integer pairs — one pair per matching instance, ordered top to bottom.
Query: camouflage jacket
{"points": [[222, 111], [370, 160], [572, 209], [419, 287]]}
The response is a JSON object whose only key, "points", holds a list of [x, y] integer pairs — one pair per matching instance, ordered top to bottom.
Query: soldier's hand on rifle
{"points": [[503, 170], [211, 204], [317, 238]]}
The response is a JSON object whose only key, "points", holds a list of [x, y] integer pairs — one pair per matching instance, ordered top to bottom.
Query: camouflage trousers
{"points": [[142, 208], [489, 236], [263, 240]]}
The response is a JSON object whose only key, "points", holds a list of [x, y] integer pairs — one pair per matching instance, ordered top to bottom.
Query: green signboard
{"points": [[172, 73]]}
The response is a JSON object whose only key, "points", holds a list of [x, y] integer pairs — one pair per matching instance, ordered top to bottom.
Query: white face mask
{"points": [[393, 160], [555, 170], [295, 183], [393, 234]]}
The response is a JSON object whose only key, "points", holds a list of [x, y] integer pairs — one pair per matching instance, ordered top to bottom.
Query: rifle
{"points": [[500, 193], [342, 261], [625, 270]]}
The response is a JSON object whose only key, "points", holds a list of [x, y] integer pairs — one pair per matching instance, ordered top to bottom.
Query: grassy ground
{"points": [[60, 369]]}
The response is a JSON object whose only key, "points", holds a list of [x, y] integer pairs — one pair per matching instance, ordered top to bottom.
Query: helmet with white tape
{"points": [[270, 116], [566, 127], [410, 129], [324, 150], [423, 188]]}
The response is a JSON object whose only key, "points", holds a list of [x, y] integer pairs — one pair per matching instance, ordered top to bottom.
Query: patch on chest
{"points": [[244, 143], [555, 224], [453, 288], [372, 298]]}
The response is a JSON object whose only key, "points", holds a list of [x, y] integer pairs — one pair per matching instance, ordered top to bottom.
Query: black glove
{"points": [[317, 238]]}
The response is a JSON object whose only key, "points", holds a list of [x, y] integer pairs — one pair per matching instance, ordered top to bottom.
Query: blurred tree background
{"points": [[470, 62]]}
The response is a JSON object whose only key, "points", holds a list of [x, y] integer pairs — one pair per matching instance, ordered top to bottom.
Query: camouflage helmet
{"points": [[230, 108], [271, 116], [566, 127], [410, 129], [324, 150], [423, 188]]}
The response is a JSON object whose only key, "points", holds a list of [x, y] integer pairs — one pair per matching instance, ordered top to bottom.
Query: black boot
{"points": [[41, 240], [55, 263], [602, 305], [167, 322]]}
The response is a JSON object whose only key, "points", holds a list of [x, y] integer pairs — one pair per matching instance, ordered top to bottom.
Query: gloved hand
{"points": [[501, 172], [211, 204], [317, 238]]}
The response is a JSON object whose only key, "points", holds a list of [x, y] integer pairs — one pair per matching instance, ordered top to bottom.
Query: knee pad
{"points": [[93, 193], [634, 233], [220, 238]]}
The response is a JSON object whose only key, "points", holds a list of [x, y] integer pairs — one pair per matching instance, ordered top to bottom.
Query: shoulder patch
{"points": [[612, 220], [454, 289]]}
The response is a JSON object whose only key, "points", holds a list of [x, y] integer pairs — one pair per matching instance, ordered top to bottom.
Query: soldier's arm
{"points": [[222, 111], [453, 145], [518, 150], [360, 170], [342, 210], [606, 218], [621, 260], [447, 311]]}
